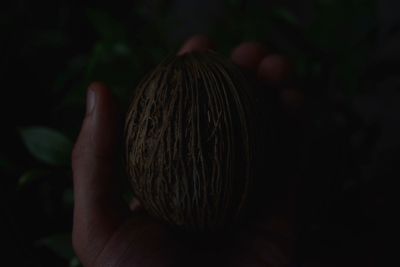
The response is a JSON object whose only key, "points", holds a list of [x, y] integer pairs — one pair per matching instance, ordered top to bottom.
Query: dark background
{"points": [[346, 55]]}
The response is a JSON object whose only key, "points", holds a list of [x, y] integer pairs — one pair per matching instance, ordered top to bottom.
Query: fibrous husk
{"points": [[189, 143]]}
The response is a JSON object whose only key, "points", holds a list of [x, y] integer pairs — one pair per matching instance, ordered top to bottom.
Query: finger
{"points": [[196, 43], [249, 55], [274, 69], [135, 205], [99, 207], [141, 241]]}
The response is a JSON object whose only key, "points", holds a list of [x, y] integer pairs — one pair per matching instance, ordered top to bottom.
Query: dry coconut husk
{"points": [[189, 143]]}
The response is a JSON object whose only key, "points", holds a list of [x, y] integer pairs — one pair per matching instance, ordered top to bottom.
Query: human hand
{"points": [[106, 232]]}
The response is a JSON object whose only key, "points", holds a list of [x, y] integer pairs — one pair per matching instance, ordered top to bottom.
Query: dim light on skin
{"points": [[106, 232]]}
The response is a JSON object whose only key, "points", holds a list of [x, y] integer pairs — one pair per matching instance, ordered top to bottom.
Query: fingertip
{"points": [[197, 43], [248, 55], [274, 69], [97, 86], [102, 91], [90, 101], [99, 131], [135, 205]]}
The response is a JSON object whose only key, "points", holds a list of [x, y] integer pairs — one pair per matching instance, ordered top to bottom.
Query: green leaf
{"points": [[47, 145], [30, 176], [60, 244], [74, 262]]}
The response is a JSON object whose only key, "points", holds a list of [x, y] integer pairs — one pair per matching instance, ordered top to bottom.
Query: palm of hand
{"points": [[105, 233], [142, 242]]}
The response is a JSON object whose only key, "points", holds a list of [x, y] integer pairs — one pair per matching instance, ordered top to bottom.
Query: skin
{"points": [[107, 232]]}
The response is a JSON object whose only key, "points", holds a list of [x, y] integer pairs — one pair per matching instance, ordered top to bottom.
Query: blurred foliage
{"points": [[122, 45], [47, 145], [61, 244]]}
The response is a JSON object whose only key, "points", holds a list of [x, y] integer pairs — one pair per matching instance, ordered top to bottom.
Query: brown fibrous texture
{"points": [[188, 142]]}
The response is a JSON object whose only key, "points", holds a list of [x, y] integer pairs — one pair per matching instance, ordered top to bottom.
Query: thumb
{"points": [[99, 207]]}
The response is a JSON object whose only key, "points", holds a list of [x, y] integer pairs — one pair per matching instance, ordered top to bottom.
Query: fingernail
{"points": [[90, 101]]}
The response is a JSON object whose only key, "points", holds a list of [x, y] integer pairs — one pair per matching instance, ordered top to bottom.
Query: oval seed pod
{"points": [[188, 142]]}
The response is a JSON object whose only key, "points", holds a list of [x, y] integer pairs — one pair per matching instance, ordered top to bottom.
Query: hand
{"points": [[107, 233]]}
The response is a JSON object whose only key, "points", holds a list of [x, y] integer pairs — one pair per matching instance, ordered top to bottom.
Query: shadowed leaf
{"points": [[47, 145], [30, 176], [60, 244]]}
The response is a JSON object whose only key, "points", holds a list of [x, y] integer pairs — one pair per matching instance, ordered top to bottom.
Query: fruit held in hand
{"points": [[188, 142]]}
